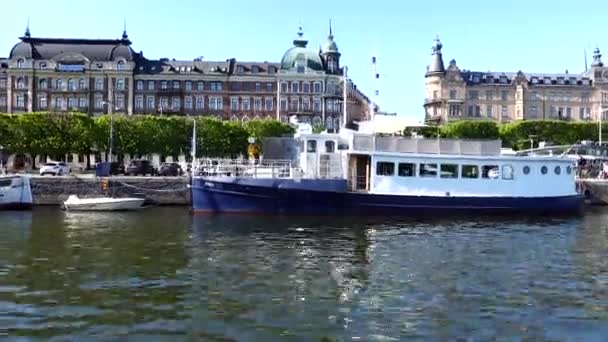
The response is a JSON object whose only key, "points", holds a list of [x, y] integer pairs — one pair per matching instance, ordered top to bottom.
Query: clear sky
{"points": [[532, 35]]}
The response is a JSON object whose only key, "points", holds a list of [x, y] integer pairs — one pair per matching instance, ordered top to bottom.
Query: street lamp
{"points": [[111, 138]]}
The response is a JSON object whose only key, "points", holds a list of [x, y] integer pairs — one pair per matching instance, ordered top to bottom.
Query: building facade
{"points": [[98, 76], [455, 94]]}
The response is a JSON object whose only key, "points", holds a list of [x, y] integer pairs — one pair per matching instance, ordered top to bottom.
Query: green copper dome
{"points": [[299, 55]]}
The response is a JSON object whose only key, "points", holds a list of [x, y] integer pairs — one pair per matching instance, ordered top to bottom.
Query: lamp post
{"points": [[111, 138]]}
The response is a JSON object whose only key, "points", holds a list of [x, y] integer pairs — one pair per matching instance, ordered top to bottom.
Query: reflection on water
{"points": [[165, 274]]}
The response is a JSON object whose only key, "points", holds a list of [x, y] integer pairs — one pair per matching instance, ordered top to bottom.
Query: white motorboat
{"points": [[15, 192], [74, 203]]}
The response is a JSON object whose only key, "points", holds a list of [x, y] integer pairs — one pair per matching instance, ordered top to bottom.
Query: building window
{"points": [[20, 63], [120, 65], [2, 83], [21, 83], [42, 84], [59, 84], [71, 84], [82, 84], [98, 84], [120, 84], [175, 84], [140, 85], [150, 85], [163, 85], [188, 86], [200, 86], [216, 86], [258, 87], [269, 87], [283, 87], [295, 87], [306, 87], [317, 87], [452, 94], [473, 95], [504, 95], [2, 101], [42, 102], [82, 102], [98, 102], [120, 102], [139, 102], [188, 102], [200, 102], [59, 103], [72, 103], [150, 103], [164, 103], [176, 103], [215, 103], [234, 104], [245, 104], [257, 104], [268, 104], [283, 104], [305, 104], [317, 105], [293, 106], [470, 111], [503, 111], [533, 111], [568, 112], [385, 169]]}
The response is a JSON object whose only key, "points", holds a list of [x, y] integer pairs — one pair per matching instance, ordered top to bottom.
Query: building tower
{"points": [[331, 55], [435, 74]]}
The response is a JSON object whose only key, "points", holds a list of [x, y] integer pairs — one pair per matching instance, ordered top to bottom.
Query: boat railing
{"points": [[426, 146], [249, 168]]}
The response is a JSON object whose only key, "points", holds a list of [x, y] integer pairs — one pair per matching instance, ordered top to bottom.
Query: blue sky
{"points": [[533, 36]]}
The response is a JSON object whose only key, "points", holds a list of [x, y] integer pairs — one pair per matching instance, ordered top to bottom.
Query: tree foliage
{"points": [[58, 134]]}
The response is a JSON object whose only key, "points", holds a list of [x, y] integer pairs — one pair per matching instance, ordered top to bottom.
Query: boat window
{"points": [[311, 146], [330, 146], [385, 169], [407, 169], [568, 169], [428, 170], [526, 170], [544, 170], [557, 170], [449, 171], [470, 171], [490, 171], [507, 172], [5, 183]]}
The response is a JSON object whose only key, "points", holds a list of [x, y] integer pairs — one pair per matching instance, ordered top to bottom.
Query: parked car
{"points": [[140, 167], [117, 168], [55, 169], [170, 169]]}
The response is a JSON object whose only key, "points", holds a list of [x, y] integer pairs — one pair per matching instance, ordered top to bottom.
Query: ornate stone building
{"points": [[99, 76], [455, 94]]}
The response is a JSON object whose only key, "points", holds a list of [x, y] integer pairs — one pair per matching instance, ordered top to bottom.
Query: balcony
{"points": [[432, 101]]}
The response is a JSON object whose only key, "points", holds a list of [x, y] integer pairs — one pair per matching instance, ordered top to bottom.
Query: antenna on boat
{"points": [[374, 89]]}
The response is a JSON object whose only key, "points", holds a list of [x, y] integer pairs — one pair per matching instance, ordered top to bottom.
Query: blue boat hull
{"points": [[235, 195]]}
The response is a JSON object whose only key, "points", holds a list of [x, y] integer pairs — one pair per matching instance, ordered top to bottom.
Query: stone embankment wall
{"points": [[159, 190]]}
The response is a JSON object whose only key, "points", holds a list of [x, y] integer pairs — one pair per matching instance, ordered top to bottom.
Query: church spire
{"points": [[27, 29], [124, 30], [437, 59]]}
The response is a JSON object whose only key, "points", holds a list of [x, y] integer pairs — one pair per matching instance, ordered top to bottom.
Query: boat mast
{"points": [[374, 89], [344, 96]]}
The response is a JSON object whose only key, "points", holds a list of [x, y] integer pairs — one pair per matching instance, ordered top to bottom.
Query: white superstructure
{"points": [[15, 191]]}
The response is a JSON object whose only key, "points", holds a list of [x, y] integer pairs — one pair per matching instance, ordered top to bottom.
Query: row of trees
{"points": [[56, 134], [518, 134]]}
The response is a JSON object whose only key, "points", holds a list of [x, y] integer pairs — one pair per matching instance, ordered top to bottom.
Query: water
{"points": [[162, 274]]}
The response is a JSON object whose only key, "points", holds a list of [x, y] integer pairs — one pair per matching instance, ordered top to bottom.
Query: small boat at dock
{"points": [[74, 203]]}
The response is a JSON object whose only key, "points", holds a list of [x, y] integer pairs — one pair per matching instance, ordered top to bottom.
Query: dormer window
{"points": [[20, 63], [42, 65], [120, 65], [300, 67], [240, 69], [255, 69], [272, 70], [476, 78], [490, 79], [503, 79], [534, 80], [547, 80], [560, 80], [573, 80], [20, 83]]}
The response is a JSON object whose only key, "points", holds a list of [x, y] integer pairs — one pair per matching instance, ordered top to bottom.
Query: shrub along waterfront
{"points": [[57, 134], [517, 134]]}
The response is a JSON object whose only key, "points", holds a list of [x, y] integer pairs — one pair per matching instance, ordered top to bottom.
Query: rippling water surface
{"points": [[162, 274]]}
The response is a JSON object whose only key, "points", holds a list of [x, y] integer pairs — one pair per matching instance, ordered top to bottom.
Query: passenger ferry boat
{"points": [[353, 173], [15, 192]]}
